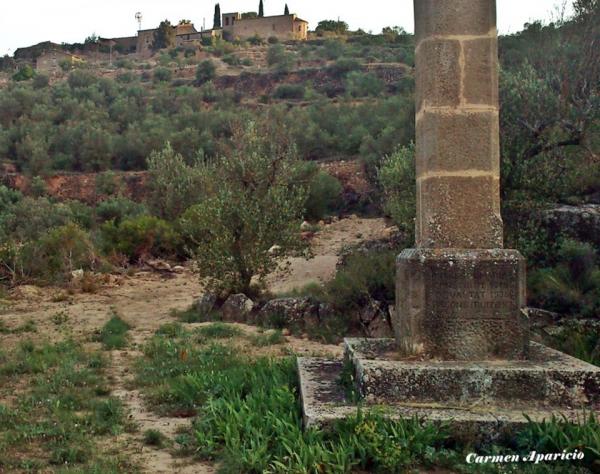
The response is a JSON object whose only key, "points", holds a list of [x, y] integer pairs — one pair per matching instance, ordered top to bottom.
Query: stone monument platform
{"points": [[479, 400]]}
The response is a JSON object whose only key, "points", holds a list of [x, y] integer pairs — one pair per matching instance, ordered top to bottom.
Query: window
{"points": [[226, 21], [300, 28]]}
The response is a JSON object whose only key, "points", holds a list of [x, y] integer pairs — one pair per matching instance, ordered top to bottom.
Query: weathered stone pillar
{"points": [[459, 295]]}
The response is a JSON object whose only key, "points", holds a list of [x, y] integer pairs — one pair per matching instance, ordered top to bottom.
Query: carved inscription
{"points": [[459, 292]]}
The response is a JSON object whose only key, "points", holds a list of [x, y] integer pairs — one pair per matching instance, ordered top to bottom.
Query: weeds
{"points": [[219, 331], [113, 334], [267, 339], [59, 412], [154, 438]]}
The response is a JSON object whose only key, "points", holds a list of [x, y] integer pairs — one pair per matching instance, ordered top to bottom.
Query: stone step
{"points": [[548, 378], [324, 402]]}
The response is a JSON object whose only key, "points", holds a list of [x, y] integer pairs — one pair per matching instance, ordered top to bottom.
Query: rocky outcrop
{"points": [[579, 222], [206, 303], [237, 308], [296, 313]]}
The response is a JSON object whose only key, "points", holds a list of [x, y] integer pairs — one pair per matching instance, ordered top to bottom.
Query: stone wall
{"points": [[284, 27]]}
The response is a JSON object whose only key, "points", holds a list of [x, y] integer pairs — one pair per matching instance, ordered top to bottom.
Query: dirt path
{"points": [[145, 300]]}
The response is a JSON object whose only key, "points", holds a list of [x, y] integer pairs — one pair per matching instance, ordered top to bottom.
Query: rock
{"points": [[579, 222], [305, 226], [307, 235], [275, 250], [159, 265], [178, 269], [77, 275], [206, 303], [237, 308], [290, 312], [374, 318], [540, 318]]}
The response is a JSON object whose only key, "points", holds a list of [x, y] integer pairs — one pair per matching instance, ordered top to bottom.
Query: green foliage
{"points": [[261, 9], [217, 17], [332, 26], [164, 37], [278, 58], [343, 66], [205, 71], [24, 73], [162, 74], [41, 81], [359, 84], [289, 91], [397, 176], [174, 186], [324, 196], [255, 204], [118, 209], [140, 237], [364, 278], [572, 286], [219, 331], [113, 334], [266, 339], [579, 341], [58, 415], [556, 435], [154, 438]]}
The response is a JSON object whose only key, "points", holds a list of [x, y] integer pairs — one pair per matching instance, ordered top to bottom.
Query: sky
{"points": [[28, 22]]}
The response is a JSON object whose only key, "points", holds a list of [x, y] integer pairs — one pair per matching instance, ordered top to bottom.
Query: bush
{"points": [[273, 40], [277, 57], [231, 59], [343, 66], [205, 72], [24, 73], [162, 74], [80, 79], [41, 81], [359, 84], [289, 91], [397, 177], [174, 186], [324, 196], [255, 203], [119, 209], [140, 237], [56, 254], [365, 277], [572, 286]]}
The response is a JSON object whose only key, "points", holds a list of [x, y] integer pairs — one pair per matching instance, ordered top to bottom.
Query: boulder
{"points": [[579, 222], [206, 303], [237, 308], [290, 312], [375, 321]]}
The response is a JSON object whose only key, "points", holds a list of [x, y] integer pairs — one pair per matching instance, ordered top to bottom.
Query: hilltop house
{"points": [[283, 27]]}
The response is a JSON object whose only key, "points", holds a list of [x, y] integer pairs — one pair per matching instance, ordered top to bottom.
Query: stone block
{"points": [[454, 17], [481, 71], [438, 74], [458, 141], [459, 212], [461, 304], [546, 379]]}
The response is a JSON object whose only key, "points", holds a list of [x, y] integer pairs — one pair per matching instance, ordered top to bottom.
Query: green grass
{"points": [[192, 315], [27, 326], [219, 331], [113, 334], [267, 339], [62, 408], [249, 420], [154, 438]]}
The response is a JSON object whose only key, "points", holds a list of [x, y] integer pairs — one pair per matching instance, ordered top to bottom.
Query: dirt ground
{"points": [[145, 300]]}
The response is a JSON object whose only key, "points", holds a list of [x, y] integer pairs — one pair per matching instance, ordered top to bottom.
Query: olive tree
{"points": [[255, 204]]}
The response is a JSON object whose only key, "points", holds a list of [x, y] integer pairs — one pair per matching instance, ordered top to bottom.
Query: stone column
{"points": [[459, 294]]}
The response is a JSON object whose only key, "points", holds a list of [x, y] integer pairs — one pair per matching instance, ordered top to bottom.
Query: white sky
{"points": [[27, 22]]}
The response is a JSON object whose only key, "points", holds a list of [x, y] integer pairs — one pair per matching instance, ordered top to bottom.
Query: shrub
{"points": [[256, 40], [273, 40], [277, 57], [231, 59], [343, 66], [206, 71], [24, 73], [162, 74], [80, 79], [41, 81], [359, 84], [289, 91], [397, 177], [174, 186], [324, 196], [256, 203], [119, 209], [140, 237], [55, 255], [364, 277], [572, 286], [113, 334]]}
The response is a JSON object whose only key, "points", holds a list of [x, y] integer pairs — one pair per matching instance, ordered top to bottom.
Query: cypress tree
{"points": [[261, 9], [287, 10], [217, 20]]}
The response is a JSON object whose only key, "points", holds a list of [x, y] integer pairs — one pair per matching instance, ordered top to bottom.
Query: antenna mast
{"points": [[138, 17]]}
